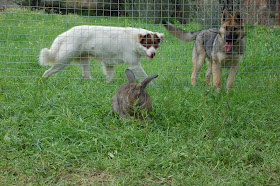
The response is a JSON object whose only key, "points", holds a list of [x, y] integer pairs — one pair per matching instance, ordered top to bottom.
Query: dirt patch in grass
{"points": [[63, 176], [83, 177]]}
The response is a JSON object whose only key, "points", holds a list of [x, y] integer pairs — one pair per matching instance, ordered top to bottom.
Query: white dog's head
{"points": [[149, 43]]}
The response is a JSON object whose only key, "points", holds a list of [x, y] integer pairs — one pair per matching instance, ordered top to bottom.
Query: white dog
{"points": [[110, 45]]}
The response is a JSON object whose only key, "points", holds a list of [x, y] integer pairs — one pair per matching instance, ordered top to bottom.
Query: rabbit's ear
{"points": [[130, 76], [146, 81]]}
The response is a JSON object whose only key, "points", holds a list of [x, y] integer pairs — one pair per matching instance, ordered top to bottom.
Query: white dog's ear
{"points": [[161, 36], [141, 37]]}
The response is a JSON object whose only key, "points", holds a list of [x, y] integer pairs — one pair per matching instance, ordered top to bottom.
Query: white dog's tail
{"points": [[46, 59]]}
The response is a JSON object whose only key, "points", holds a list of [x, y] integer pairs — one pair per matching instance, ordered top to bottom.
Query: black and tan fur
{"points": [[223, 47]]}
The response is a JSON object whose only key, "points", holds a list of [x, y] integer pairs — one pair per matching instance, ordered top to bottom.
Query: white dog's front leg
{"points": [[108, 70], [139, 73]]}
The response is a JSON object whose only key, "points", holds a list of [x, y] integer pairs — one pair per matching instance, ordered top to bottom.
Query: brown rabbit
{"points": [[131, 97]]}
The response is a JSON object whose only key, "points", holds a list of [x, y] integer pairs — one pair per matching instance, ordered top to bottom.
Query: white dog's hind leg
{"points": [[55, 68], [108, 70]]}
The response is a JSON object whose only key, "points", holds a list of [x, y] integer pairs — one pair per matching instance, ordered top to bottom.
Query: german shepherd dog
{"points": [[223, 47]]}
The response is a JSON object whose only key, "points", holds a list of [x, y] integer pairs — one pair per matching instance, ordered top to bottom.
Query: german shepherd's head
{"points": [[232, 28]]}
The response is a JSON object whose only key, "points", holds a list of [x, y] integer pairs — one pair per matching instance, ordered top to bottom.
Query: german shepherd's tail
{"points": [[180, 33]]}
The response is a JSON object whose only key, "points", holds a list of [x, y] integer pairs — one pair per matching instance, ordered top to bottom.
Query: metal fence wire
{"points": [[28, 26]]}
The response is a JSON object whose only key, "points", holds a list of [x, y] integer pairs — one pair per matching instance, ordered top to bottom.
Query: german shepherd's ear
{"points": [[225, 15], [238, 17]]}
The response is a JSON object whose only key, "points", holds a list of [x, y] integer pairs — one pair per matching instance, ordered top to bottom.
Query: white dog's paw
{"points": [[87, 77]]}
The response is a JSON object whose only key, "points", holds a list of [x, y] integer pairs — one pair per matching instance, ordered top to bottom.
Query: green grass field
{"points": [[61, 130]]}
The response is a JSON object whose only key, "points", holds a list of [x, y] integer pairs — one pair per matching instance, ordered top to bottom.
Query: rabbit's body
{"points": [[131, 99]]}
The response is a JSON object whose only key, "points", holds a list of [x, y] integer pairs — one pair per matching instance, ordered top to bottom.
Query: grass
{"points": [[61, 130]]}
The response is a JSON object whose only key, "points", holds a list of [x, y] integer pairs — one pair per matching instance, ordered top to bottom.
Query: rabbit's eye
{"points": [[139, 95]]}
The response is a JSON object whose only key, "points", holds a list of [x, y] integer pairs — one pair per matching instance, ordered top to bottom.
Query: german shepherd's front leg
{"points": [[216, 69], [231, 75]]}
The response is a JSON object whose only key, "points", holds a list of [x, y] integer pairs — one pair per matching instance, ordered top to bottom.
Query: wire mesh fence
{"points": [[28, 26]]}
